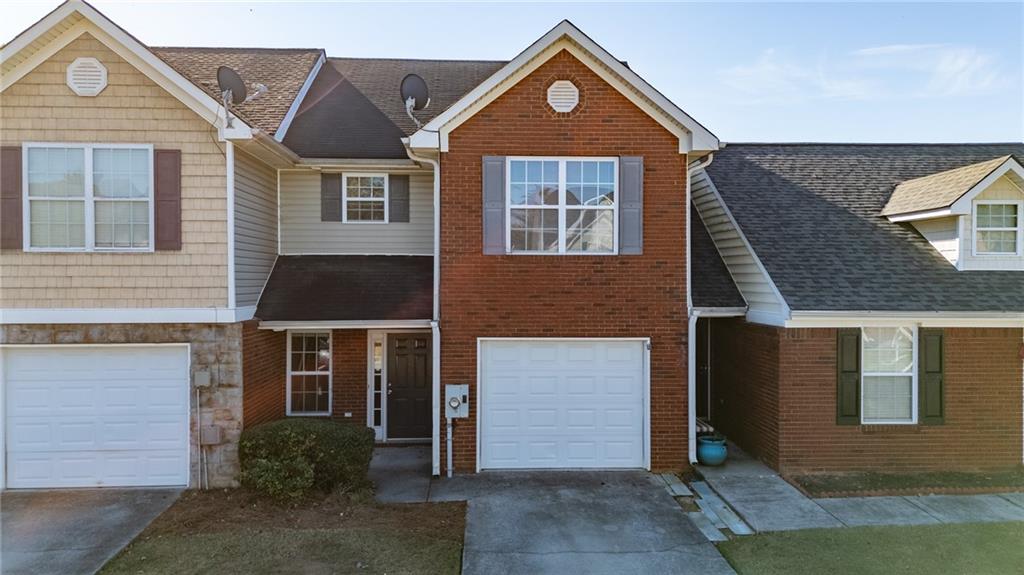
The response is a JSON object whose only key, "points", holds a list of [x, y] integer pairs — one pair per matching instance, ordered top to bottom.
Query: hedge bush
{"points": [[289, 458]]}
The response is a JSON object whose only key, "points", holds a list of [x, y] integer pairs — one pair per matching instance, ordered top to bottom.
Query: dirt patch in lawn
{"points": [[871, 483], [236, 531]]}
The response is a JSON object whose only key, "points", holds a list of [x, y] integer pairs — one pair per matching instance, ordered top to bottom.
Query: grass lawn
{"points": [[819, 484], [234, 531], [974, 548]]}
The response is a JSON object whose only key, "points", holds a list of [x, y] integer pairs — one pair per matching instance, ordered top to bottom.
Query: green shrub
{"points": [[289, 458]]}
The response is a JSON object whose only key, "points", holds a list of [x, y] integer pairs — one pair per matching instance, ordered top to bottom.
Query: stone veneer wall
{"points": [[216, 348]]}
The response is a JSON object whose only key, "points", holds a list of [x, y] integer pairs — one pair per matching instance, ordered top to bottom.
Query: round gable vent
{"points": [[87, 77], [563, 96]]}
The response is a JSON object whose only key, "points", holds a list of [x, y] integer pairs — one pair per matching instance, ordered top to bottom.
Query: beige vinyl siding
{"points": [[132, 109], [1001, 189], [255, 227], [302, 232], [943, 234], [753, 283]]}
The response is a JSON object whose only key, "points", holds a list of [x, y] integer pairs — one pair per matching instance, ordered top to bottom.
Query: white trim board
{"points": [[565, 36], [286, 123], [9, 316], [896, 318], [347, 324]]}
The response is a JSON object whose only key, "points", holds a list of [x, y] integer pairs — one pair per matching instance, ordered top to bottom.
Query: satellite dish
{"points": [[231, 85], [414, 88]]}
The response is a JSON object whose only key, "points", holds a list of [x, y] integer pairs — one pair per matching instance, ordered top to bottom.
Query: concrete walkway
{"points": [[768, 503], [558, 522], [73, 531]]}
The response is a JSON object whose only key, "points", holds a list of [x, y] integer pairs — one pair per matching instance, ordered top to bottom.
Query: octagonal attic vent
{"points": [[87, 77], [563, 96]]}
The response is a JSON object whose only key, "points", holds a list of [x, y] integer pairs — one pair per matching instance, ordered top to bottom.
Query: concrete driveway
{"points": [[576, 522], [73, 531]]}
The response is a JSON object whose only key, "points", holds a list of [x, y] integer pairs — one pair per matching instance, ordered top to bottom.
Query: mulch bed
{"points": [[933, 483]]}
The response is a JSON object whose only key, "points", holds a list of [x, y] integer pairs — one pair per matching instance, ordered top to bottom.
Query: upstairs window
{"points": [[88, 197], [365, 198], [562, 205], [997, 227]]}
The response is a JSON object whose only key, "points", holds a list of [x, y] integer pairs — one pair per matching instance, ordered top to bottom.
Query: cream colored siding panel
{"points": [[40, 107], [1001, 189], [255, 227], [302, 232], [943, 235], [752, 282]]}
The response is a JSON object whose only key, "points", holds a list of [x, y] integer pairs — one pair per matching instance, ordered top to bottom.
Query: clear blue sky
{"points": [[821, 71]]}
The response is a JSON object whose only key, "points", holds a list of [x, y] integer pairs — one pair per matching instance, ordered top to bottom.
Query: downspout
{"points": [[435, 323], [691, 340]]}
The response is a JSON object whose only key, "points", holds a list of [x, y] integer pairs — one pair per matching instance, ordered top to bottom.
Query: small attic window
{"points": [[87, 77], [563, 96]]}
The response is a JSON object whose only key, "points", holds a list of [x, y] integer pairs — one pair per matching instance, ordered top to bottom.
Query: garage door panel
{"points": [[579, 406], [97, 416]]}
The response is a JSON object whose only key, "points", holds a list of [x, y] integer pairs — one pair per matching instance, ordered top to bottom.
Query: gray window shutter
{"points": [[330, 197], [10, 198], [398, 198], [167, 199], [494, 204], [631, 205], [848, 377], [930, 395]]}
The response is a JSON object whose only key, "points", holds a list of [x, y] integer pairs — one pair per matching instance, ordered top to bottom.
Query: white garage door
{"points": [[561, 404], [96, 416]]}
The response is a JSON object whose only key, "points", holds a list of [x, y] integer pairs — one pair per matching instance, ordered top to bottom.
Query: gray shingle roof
{"points": [[941, 190], [811, 213], [711, 283]]}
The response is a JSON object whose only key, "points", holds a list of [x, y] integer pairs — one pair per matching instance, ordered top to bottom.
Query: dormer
{"points": [[973, 215]]}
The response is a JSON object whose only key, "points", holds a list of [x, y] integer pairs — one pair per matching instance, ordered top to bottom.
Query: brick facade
{"points": [[567, 296], [215, 349], [264, 368], [983, 398]]}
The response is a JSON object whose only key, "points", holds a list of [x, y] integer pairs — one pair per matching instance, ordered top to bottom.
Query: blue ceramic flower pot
{"points": [[711, 450]]}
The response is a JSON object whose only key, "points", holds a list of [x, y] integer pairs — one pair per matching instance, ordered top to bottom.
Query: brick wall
{"points": [[567, 296], [265, 368], [263, 371], [349, 375], [745, 388], [983, 394]]}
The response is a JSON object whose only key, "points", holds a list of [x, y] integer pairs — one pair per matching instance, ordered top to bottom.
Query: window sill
{"points": [[890, 428]]}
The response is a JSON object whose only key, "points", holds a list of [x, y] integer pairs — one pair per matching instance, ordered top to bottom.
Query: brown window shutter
{"points": [[330, 197], [10, 198], [167, 198], [848, 377], [931, 400]]}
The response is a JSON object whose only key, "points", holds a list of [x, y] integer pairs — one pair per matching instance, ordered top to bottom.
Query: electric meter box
{"points": [[456, 400]]}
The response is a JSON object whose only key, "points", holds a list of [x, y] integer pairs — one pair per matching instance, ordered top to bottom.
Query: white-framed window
{"points": [[88, 197], [364, 198], [562, 205], [998, 227], [309, 373], [889, 375]]}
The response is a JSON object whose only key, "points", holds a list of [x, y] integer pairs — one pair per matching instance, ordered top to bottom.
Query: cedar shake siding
{"points": [[131, 109], [567, 296], [982, 393]]}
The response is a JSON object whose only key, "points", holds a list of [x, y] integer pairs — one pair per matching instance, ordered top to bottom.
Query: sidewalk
{"points": [[768, 503]]}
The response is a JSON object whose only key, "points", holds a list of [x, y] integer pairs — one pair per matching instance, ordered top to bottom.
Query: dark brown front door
{"points": [[409, 386]]}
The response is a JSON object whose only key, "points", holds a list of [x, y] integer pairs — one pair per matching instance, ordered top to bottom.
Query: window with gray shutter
{"points": [[848, 376], [931, 400]]}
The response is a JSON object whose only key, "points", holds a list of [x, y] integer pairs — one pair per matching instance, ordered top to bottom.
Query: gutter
{"points": [[693, 314], [435, 324]]}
